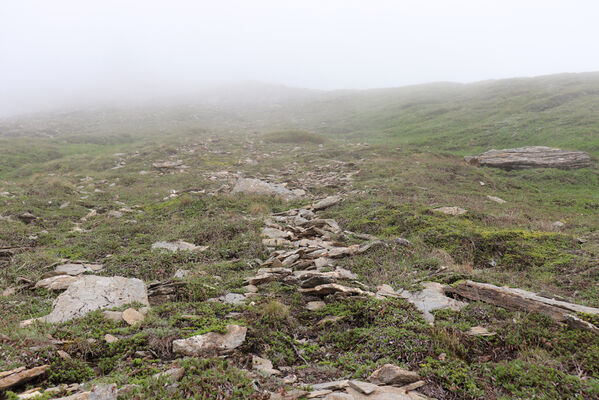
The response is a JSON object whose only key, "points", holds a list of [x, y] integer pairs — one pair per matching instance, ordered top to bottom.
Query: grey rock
{"points": [[531, 157], [256, 186], [326, 203], [455, 211], [178, 245], [75, 269], [92, 293], [233, 298], [431, 298], [211, 341], [390, 374], [363, 387]]}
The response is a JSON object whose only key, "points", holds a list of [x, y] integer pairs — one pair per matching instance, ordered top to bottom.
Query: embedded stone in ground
{"points": [[92, 293], [212, 341], [390, 374]]}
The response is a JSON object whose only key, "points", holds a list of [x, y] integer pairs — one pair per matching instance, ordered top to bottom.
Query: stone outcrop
{"points": [[531, 157]]}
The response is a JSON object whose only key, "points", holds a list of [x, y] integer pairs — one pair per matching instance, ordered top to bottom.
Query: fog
{"points": [[64, 53]]}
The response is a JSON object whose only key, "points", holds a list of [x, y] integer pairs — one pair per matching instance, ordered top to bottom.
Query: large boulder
{"points": [[531, 157], [256, 186], [91, 292]]}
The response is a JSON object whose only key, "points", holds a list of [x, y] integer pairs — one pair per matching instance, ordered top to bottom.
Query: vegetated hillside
{"points": [[555, 110], [558, 110]]}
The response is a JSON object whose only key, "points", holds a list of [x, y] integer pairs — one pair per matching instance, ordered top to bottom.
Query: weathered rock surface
{"points": [[531, 157], [168, 164], [256, 186], [496, 199], [326, 203], [455, 211], [178, 245], [75, 269], [58, 282], [93, 292], [431, 298], [518, 299], [132, 316], [211, 341], [264, 366], [390, 374], [21, 375], [363, 387]]}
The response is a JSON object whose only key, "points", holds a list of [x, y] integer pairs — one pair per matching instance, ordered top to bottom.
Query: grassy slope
{"points": [[397, 189]]}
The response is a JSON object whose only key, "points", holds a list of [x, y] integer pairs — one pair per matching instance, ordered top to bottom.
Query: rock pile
{"points": [[303, 252]]}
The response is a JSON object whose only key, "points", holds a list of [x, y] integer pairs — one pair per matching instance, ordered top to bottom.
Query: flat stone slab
{"points": [[531, 157], [256, 186], [178, 245], [92, 292], [431, 298], [211, 341]]}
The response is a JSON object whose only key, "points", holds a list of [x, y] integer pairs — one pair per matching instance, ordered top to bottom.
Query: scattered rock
{"points": [[531, 157], [168, 164], [256, 186], [496, 199], [326, 203], [455, 211], [26, 218], [558, 225], [178, 245], [75, 269], [181, 273], [330, 288], [93, 292], [432, 297], [233, 298], [315, 305], [116, 316], [132, 316], [479, 331], [108, 338], [211, 341], [264, 366], [390, 374], [21, 375], [172, 375], [333, 385], [363, 387], [103, 392]]}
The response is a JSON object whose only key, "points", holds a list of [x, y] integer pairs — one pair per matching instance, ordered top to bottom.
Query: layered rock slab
{"points": [[531, 157]]}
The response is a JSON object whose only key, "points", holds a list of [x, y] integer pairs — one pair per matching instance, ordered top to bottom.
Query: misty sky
{"points": [[60, 52]]}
